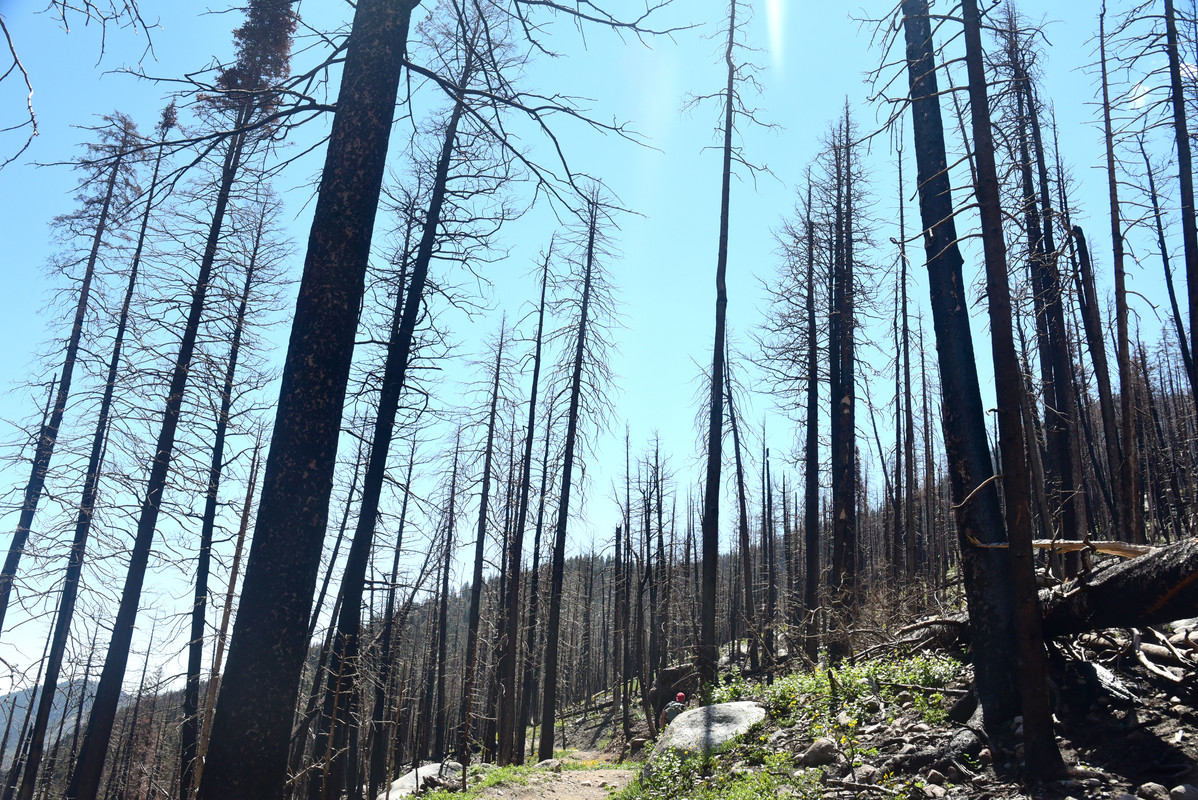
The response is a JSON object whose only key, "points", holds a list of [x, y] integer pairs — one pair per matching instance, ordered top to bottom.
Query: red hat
{"points": [[681, 698]]}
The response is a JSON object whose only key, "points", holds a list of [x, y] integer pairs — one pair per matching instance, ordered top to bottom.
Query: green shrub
{"points": [[730, 689]]}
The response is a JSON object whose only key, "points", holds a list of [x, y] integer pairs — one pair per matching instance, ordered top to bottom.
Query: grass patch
{"points": [[689, 777]]}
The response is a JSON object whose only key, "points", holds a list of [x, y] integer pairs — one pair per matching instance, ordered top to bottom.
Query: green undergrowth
{"points": [[861, 690], [835, 703], [741, 770]]}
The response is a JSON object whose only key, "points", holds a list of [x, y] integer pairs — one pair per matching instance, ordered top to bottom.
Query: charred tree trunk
{"points": [[1185, 173], [48, 435], [1131, 515], [985, 567], [557, 568], [476, 583], [510, 610], [706, 655], [253, 723], [189, 730], [1043, 757], [85, 783]]}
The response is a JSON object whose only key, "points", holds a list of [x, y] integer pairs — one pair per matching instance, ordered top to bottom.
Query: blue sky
{"points": [[814, 56]]}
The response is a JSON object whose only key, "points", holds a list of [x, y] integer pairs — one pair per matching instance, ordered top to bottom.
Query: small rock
{"points": [[903, 697], [1175, 699], [872, 705], [1178, 710], [844, 719], [921, 727], [637, 744], [907, 749], [822, 751], [984, 756], [555, 764], [866, 773], [935, 776], [585, 783], [603, 784], [933, 791], [1153, 791], [1186, 791]]}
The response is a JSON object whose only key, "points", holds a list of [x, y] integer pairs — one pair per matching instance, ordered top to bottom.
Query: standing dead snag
{"points": [[114, 147], [588, 343], [985, 569], [253, 720], [1043, 758]]}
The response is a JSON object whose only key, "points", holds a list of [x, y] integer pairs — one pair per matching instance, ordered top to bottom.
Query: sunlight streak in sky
{"points": [[775, 15]]}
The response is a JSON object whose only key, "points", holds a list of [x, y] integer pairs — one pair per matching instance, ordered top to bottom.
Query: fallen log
{"points": [[1159, 587]]}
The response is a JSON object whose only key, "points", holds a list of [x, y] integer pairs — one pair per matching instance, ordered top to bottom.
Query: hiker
{"points": [[672, 709]]}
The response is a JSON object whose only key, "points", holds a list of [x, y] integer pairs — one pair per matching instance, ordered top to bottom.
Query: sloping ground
{"points": [[884, 729]]}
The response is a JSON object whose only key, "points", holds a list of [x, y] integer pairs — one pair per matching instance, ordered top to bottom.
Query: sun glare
{"points": [[775, 14]]}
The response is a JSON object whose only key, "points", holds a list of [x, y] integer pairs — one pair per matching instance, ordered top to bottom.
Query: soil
{"points": [[569, 784]]}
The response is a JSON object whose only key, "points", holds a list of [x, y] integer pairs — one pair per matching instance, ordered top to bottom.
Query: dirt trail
{"points": [[590, 784]]}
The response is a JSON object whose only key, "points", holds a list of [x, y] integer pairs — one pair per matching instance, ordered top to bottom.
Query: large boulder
{"points": [[701, 730], [437, 774]]}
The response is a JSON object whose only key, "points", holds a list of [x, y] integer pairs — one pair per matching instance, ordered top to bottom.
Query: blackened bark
{"points": [[1185, 174], [1178, 325], [48, 435], [811, 457], [975, 498], [1126, 499], [746, 557], [557, 567], [476, 584], [1152, 589], [510, 610], [226, 614], [530, 648], [706, 654], [343, 660], [441, 711], [189, 730], [379, 744], [248, 755], [1043, 759], [85, 783]]}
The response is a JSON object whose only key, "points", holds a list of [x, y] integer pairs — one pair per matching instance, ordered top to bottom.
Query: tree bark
{"points": [[48, 435], [557, 568], [985, 568], [476, 583], [1149, 590], [510, 611], [706, 654], [252, 728], [189, 730], [1043, 759], [85, 783]]}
